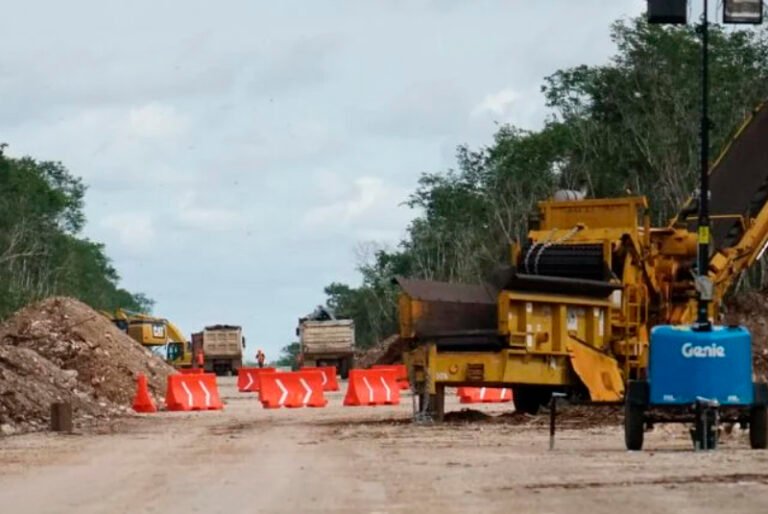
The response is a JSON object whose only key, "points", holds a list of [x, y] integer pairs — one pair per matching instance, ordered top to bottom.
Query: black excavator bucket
{"points": [[738, 182]]}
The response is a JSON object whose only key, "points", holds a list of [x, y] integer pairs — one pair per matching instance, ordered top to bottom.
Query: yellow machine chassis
{"points": [[546, 340]]}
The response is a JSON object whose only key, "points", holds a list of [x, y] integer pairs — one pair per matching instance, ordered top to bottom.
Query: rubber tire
{"points": [[344, 367], [527, 400], [634, 426], [758, 427]]}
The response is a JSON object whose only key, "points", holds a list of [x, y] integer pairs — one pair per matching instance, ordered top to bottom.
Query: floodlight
{"points": [[668, 11], [743, 11]]}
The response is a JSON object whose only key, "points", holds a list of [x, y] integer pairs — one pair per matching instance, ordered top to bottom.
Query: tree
{"points": [[634, 122], [629, 126], [41, 252], [288, 355]]}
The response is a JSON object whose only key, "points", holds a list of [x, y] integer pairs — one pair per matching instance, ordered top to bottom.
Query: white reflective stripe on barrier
{"points": [[308, 390], [370, 390], [284, 391], [389, 392], [189, 393], [207, 394]]}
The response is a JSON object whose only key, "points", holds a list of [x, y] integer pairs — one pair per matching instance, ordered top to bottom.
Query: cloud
{"points": [[498, 104], [422, 109], [155, 121], [366, 193], [368, 208], [195, 213], [135, 231]]}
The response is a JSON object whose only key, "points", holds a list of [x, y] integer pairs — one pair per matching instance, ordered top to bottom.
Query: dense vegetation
{"points": [[628, 126], [41, 251], [287, 357]]}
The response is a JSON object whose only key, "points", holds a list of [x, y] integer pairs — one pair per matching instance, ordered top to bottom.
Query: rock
{"points": [[70, 373], [7, 429]]}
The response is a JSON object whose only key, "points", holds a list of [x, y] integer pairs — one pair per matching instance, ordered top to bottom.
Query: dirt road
{"points": [[336, 459]]}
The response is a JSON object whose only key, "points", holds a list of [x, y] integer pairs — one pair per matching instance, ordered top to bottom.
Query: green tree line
{"points": [[628, 126], [42, 251]]}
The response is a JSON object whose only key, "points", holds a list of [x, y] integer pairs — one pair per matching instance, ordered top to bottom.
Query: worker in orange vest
{"points": [[200, 358], [260, 358]]}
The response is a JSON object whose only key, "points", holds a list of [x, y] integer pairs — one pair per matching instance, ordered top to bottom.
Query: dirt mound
{"points": [[751, 310], [61, 346], [386, 351], [29, 384], [466, 416], [568, 416], [572, 416]]}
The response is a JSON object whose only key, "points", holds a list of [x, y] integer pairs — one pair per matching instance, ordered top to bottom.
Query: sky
{"points": [[241, 155]]}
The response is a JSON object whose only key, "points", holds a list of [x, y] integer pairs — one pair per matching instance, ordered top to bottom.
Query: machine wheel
{"points": [[527, 400], [438, 402], [435, 406], [634, 425], [758, 427], [705, 430]]}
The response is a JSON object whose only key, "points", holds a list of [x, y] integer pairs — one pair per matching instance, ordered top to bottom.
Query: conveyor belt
{"points": [[738, 182], [577, 261]]}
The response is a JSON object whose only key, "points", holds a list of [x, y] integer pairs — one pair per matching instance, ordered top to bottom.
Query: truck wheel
{"points": [[344, 368], [634, 424], [758, 427]]}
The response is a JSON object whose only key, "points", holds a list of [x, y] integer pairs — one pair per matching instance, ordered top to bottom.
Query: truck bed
{"points": [[328, 337], [221, 343]]}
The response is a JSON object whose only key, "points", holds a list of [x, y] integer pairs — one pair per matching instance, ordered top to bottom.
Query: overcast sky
{"points": [[238, 152]]}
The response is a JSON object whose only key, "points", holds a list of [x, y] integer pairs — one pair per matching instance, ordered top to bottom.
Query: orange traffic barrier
{"points": [[191, 371], [401, 373], [329, 376], [248, 379], [372, 387], [292, 389], [192, 392], [484, 394], [143, 402]]}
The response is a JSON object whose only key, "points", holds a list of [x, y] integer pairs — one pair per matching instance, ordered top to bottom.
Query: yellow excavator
{"points": [[573, 310], [154, 332]]}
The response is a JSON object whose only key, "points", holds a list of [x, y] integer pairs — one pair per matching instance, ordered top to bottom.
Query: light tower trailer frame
{"points": [[698, 377]]}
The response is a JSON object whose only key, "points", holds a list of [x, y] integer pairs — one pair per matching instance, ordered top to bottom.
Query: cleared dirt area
{"points": [[369, 459]]}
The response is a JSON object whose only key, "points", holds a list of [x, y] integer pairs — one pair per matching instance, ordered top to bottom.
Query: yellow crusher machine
{"points": [[573, 311]]}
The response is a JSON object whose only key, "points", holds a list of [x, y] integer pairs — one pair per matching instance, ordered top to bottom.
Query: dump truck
{"points": [[572, 310], [327, 341], [222, 348]]}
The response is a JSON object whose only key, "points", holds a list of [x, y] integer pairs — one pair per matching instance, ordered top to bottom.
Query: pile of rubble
{"points": [[751, 310], [62, 350], [386, 351], [568, 416]]}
